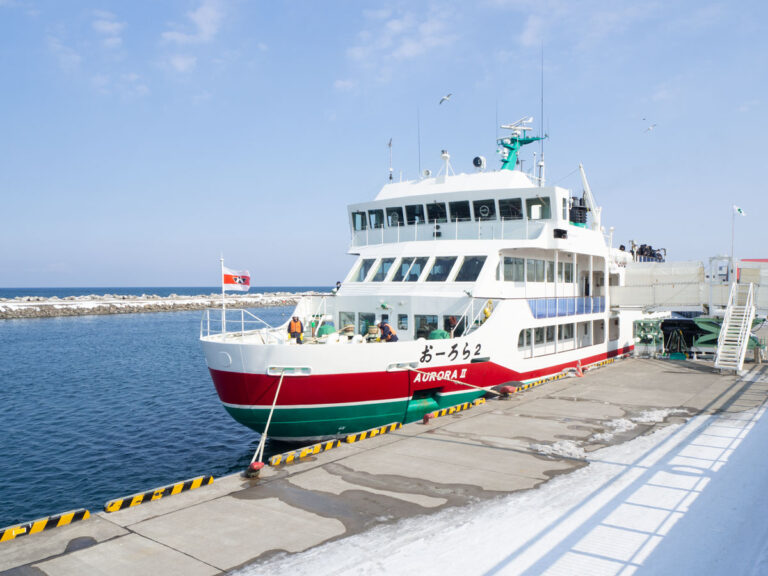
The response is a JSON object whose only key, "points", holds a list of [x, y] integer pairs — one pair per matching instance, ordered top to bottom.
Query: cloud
{"points": [[206, 21], [107, 26], [400, 36], [68, 58], [182, 64], [345, 85]]}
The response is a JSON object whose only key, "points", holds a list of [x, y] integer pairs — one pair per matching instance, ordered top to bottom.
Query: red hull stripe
{"points": [[240, 389]]}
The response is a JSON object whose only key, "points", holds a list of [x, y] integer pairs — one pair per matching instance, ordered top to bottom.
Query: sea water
{"points": [[94, 408]]}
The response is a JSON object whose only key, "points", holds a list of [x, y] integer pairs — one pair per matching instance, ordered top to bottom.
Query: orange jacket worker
{"points": [[295, 329], [387, 333]]}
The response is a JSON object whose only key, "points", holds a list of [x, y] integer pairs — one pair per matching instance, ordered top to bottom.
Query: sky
{"points": [[141, 141]]}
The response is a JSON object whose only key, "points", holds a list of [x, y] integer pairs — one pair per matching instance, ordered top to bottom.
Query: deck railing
{"points": [[518, 229], [236, 321]]}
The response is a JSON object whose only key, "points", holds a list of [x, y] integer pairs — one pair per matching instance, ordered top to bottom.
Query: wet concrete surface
{"points": [[483, 453]]}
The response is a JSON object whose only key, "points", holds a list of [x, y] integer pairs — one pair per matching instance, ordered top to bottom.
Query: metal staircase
{"points": [[734, 334]]}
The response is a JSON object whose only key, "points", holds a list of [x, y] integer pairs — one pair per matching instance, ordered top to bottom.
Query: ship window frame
{"points": [[477, 205], [461, 206], [512, 206], [546, 207], [397, 212], [437, 213], [415, 214], [376, 218], [359, 220], [513, 264], [399, 268], [535, 270], [477, 271], [438, 274], [409, 275], [378, 276], [356, 277], [345, 315], [363, 322], [402, 322], [430, 323]]}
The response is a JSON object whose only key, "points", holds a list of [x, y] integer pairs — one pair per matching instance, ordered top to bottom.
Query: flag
{"points": [[739, 210], [239, 280]]}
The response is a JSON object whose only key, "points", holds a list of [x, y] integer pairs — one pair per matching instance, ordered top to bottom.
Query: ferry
{"points": [[489, 279]]}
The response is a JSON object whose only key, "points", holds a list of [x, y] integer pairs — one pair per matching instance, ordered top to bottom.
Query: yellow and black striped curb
{"points": [[569, 371], [457, 408], [373, 432], [289, 457], [157, 493], [41, 524]]}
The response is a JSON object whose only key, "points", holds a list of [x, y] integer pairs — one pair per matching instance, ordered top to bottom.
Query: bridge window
{"points": [[538, 208], [484, 209], [511, 209], [459, 211], [436, 212], [414, 214], [395, 217], [377, 218], [359, 221], [441, 268], [470, 268], [402, 269], [514, 269], [362, 272], [381, 272], [414, 272]]}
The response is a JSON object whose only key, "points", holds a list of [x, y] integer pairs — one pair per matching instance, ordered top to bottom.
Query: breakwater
{"points": [[93, 304]]}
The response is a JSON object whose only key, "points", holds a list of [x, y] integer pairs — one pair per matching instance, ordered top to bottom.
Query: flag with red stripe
{"points": [[239, 280]]}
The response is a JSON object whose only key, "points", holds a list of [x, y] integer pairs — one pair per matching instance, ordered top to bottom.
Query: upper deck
{"points": [[501, 205]]}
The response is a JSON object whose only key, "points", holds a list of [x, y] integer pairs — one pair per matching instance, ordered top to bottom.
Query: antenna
{"points": [[418, 136], [390, 159], [541, 162]]}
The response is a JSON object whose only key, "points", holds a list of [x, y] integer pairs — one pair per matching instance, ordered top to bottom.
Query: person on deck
{"points": [[296, 329], [387, 333]]}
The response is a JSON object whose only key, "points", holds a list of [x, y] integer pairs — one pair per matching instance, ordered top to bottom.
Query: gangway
{"points": [[734, 335]]}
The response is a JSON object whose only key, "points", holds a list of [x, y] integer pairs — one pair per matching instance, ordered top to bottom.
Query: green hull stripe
{"points": [[340, 420]]}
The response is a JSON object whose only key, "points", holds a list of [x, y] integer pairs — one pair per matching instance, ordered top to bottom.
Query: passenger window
{"points": [[484, 209], [511, 209], [538, 209], [459, 211], [436, 212], [414, 214], [395, 217], [377, 218], [359, 221], [441, 268], [470, 268], [416, 269], [513, 269], [362, 272], [381, 273], [346, 320], [365, 321], [402, 321], [425, 324]]}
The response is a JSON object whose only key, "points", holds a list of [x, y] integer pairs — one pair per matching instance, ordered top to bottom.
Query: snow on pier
{"points": [[41, 307]]}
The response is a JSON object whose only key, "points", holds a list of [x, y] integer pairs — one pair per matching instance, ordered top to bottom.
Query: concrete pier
{"points": [[493, 449]]}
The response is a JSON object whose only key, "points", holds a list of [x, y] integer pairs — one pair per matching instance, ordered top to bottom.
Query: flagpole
{"points": [[733, 235], [223, 301]]}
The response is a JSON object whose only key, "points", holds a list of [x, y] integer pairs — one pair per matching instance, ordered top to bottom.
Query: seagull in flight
{"points": [[445, 98], [651, 127]]}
